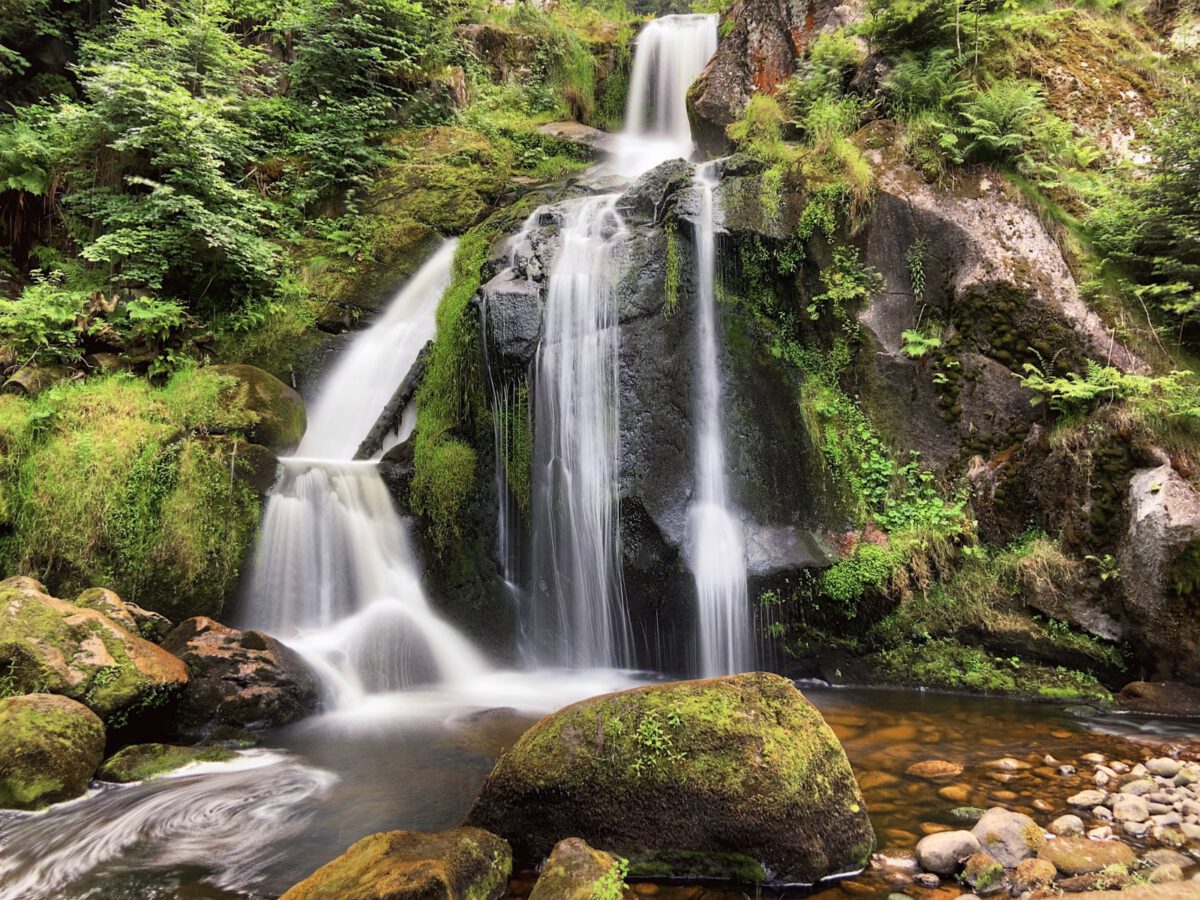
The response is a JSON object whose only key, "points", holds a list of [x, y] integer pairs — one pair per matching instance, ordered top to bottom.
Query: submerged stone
{"points": [[49, 748], [141, 762], [736, 778], [1081, 856], [459, 864]]}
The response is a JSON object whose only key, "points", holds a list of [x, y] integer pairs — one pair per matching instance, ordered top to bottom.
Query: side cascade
{"points": [[716, 548], [334, 573]]}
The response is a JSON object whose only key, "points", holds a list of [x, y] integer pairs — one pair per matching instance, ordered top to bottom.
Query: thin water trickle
{"points": [[717, 543]]}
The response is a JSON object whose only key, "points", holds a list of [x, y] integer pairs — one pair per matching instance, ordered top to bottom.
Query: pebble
{"points": [[1094, 758], [1049, 760], [1008, 764], [1120, 767], [1164, 767], [934, 768], [1066, 771], [1138, 787], [955, 793], [1087, 798], [1043, 805], [1131, 809], [1102, 813], [1166, 820], [1066, 825], [1136, 829], [1190, 831], [1103, 833], [1166, 857], [1164, 874], [927, 879]]}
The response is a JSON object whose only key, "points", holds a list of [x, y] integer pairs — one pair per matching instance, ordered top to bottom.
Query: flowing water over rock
{"points": [[671, 52], [717, 549], [334, 574], [579, 614]]}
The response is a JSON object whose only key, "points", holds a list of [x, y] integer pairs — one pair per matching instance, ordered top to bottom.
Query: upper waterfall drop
{"points": [[671, 53], [717, 547], [334, 573]]}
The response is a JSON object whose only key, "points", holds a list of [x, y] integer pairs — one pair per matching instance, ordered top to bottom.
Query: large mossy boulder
{"points": [[279, 414], [150, 625], [51, 646], [242, 679], [49, 748], [141, 762], [734, 778], [459, 864], [576, 871]]}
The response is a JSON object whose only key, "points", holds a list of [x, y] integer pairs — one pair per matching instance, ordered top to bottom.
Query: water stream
{"points": [[717, 551], [334, 573]]}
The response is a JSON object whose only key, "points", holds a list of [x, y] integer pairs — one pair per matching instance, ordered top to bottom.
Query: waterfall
{"points": [[671, 53], [716, 548], [334, 573], [576, 612], [579, 615]]}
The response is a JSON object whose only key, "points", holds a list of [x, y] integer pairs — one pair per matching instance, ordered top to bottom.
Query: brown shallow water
{"points": [[326, 783]]}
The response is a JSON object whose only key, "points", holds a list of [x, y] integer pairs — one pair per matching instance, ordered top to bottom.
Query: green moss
{"points": [[671, 278], [451, 408], [515, 442], [112, 481], [945, 663], [49, 748], [141, 762]]}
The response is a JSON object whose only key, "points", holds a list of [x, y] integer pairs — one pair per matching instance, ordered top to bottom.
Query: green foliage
{"points": [[894, 26], [925, 84], [759, 132], [847, 282], [919, 344], [1172, 396], [611, 885]]}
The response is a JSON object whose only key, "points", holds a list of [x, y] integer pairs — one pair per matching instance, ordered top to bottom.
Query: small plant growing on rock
{"points": [[611, 885]]}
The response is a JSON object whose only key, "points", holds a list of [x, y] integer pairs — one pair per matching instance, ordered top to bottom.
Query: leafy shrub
{"points": [[894, 26], [919, 84]]}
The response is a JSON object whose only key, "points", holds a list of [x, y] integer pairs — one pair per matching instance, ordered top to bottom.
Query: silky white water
{"points": [[671, 52], [717, 548], [334, 573], [579, 614]]}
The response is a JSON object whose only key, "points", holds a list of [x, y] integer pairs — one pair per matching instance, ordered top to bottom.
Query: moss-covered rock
{"points": [[278, 410], [130, 616], [48, 645], [49, 748], [141, 762], [736, 778], [1080, 856], [459, 864], [576, 871], [983, 874]]}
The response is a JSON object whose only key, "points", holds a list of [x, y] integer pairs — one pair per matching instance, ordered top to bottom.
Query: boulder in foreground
{"points": [[52, 646], [244, 679], [49, 748], [736, 778], [459, 864]]}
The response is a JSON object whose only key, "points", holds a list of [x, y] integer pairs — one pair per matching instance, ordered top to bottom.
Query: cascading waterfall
{"points": [[671, 53], [717, 550], [334, 573], [578, 611], [582, 620]]}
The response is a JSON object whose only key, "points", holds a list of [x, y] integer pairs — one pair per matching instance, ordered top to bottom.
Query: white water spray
{"points": [[671, 53], [717, 550], [334, 573], [579, 616]]}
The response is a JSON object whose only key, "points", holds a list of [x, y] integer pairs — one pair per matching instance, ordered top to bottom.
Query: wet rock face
{"points": [[764, 39], [280, 411], [775, 473], [244, 679], [49, 748], [748, 783], [459, 864]]}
